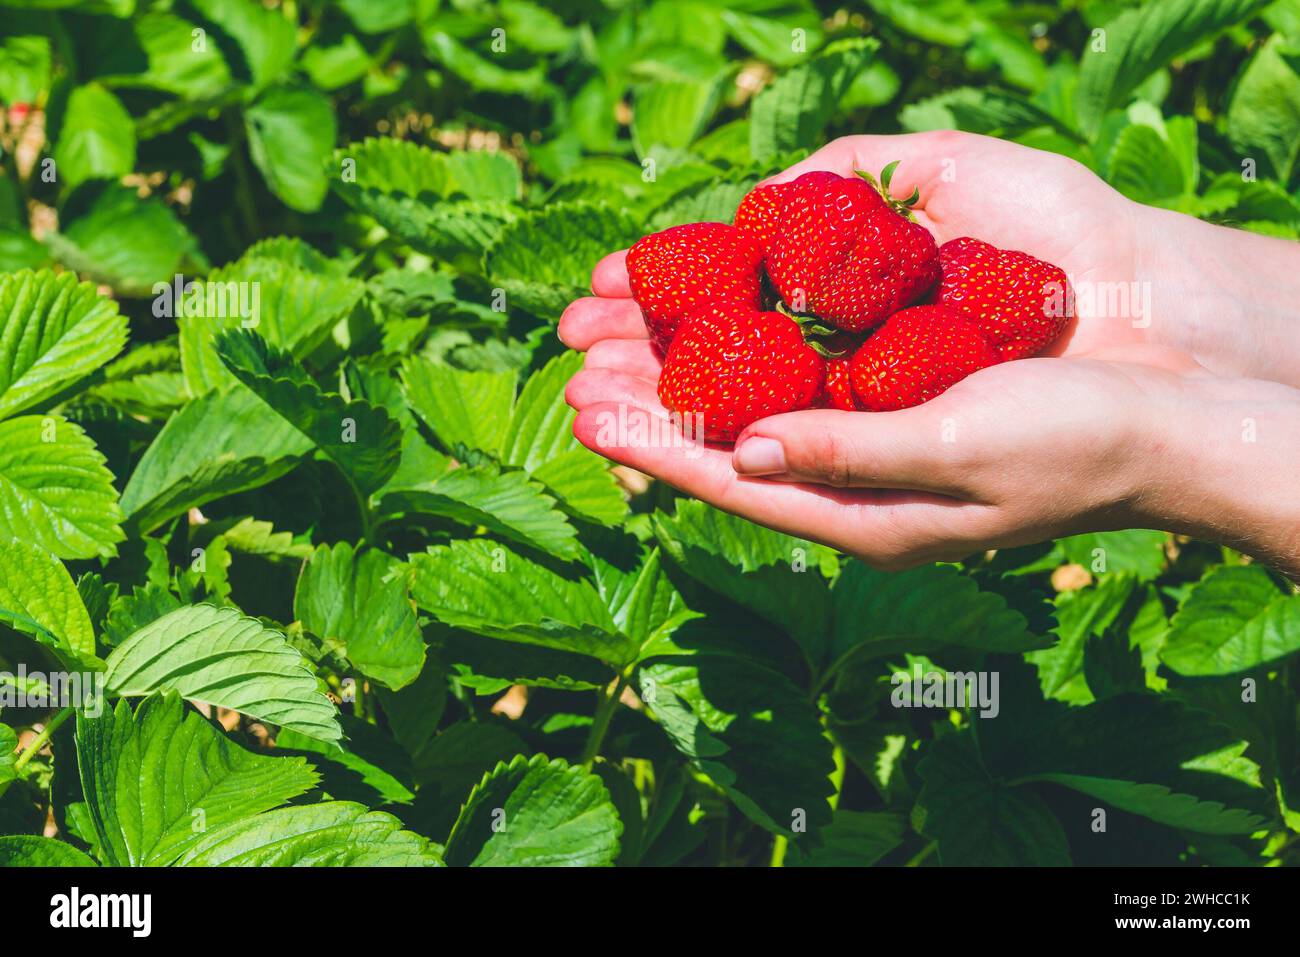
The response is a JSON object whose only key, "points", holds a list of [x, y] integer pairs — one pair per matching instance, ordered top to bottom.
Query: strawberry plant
{"points": [[301, 562]]}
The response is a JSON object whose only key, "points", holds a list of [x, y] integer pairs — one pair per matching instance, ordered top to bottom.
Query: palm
{"points": [[993, 417]]}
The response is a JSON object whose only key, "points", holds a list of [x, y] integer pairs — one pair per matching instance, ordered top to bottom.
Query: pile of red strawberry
{"points": [[827, 292]]}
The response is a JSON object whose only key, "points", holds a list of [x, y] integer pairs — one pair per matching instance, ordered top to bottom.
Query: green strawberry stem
{"points": [[901, 206], [815, 331]]}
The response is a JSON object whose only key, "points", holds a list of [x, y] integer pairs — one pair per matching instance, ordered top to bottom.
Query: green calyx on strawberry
{"points": [[841, 248], [679, 270], [732, 365]]}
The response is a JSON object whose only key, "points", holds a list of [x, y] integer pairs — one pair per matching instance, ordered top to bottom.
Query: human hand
{"points": [[1140, 274], [1135, 436], [1034, 447]]}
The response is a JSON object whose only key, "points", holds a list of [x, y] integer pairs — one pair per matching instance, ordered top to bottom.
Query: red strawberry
{"points": [[759, 213], [837, 248], [675, 272], [1020, 302], [917, 354], [735, 365], [839, 386]]}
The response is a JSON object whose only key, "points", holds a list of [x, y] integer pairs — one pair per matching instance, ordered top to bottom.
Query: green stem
{"points": [[243, 178], [600, 723], [43, 738], [778, 851]]}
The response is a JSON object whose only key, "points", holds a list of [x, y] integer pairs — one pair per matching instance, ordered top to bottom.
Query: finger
{"points": [[920, 159], [609, 278], [588, 320], [635, 357], [604, 386], [904, 449], [886, 527]]}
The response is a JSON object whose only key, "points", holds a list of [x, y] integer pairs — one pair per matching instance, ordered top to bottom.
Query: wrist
{"points": [[1226, 296], [1224, 456]]}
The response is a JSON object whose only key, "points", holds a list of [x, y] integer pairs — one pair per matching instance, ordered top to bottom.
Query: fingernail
{"points": [[759, 456]]}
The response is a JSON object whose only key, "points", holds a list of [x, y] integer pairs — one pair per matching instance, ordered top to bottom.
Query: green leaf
{"points": [[378, 16], [945, 22], [770, 36], [265, 37], [1142, 40], [25, 57], [173, 63], [332, 66], [481, 72], [979, 110], [793, 111], [672, 113], [1264, 113], [291, 133], [96, 139], [393, 166], [1143, 167], [398, 183], [119, 239], [544, 259], [290, 307], [53, 332], [462, 408], [541, 425], [540, 438], [363, 440], [221, 444], [585, 486], [55, 490], [504, 503], [1137, 550], [773, 575], [485, 588], [37, 597], [359, 599], [643, 602], [921, 611], [129, 613], [1080, 615], [1234, 619], [218, 656], [1112, 665], [490, 666], [413, 714], [755, 734], [8, 745], [454, 761], [370, 767], [1185, 769], [155, 782], [1160, 804], [536, 813], [979, 822], [332, 834], [852, 839], [28, 850]]}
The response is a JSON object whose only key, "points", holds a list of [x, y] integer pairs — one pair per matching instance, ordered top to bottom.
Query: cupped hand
{"points": [[1009, 195], [1104, 437], [1017, 453]]}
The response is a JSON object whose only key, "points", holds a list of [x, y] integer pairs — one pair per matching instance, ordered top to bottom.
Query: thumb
{"points": [[908, 449]]}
